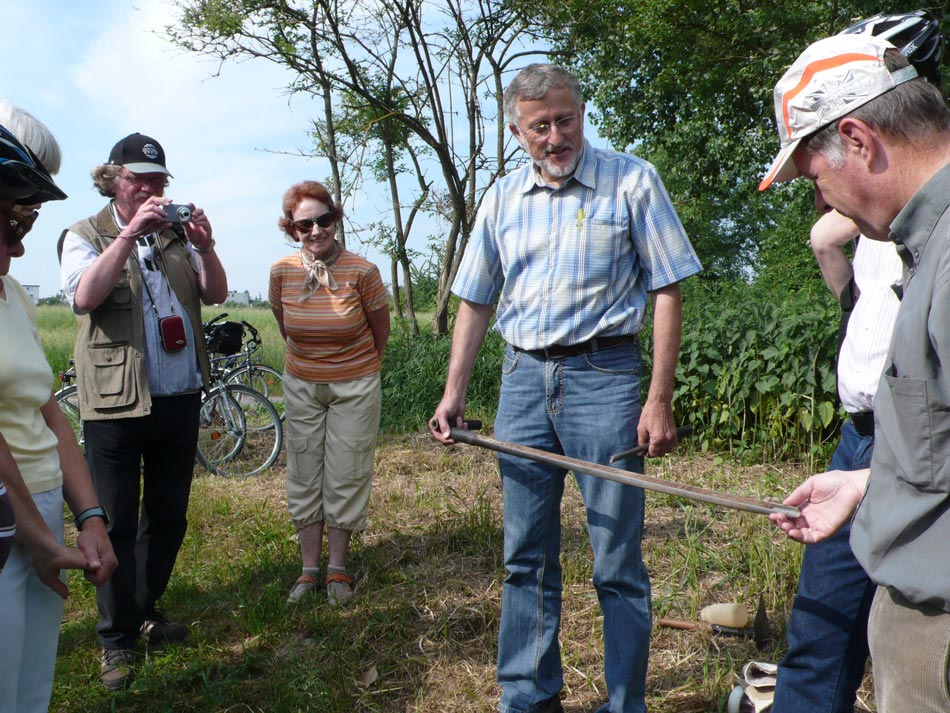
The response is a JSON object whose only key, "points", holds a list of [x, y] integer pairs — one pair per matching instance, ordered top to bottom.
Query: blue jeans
{"points": [[586, 407], [827, 632]]}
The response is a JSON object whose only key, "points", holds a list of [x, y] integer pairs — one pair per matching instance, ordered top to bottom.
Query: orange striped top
{"points": [[328, 336]]}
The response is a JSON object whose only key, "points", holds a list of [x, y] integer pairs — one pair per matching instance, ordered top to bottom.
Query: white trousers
{"points": [[30, 616]]}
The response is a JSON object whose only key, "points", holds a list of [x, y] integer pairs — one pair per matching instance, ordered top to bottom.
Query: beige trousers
{"points": [[331, 444], [910, 653]]}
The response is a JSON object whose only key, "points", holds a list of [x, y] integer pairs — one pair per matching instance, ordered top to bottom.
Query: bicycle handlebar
{"points": [[210, 323]]}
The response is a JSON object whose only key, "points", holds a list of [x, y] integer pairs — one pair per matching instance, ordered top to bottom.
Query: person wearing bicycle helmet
{"points": [[856, 119], [136, 280], [40, 461], [827, 630]]}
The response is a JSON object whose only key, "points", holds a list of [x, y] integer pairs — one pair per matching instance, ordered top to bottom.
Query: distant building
{"points": [[34, 292], [238, 298]]}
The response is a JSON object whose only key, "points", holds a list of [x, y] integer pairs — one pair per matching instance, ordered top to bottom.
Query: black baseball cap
{"points": [[139, 153]]}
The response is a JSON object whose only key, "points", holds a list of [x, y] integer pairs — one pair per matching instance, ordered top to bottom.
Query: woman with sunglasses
{"points": [[332, 310], [40, 461]]}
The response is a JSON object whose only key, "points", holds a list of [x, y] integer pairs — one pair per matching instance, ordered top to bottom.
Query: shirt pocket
{"points": [[918, 423]]}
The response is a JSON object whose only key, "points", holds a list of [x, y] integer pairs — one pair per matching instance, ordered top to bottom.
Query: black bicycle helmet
{"points": [[916, 34], [23, 178]]}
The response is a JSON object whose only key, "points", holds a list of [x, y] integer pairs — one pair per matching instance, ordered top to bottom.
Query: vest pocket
{"points": [[109, 367]]}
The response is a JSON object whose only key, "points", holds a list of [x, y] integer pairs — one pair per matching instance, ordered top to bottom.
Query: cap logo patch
{"points": [[150, 151]]}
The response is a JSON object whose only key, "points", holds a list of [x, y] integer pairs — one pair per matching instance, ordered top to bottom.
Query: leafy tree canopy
{"points": [[687, 85]]}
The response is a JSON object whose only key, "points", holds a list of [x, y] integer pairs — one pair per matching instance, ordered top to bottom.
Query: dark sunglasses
{"points": [[20, 223], [306, 224]]}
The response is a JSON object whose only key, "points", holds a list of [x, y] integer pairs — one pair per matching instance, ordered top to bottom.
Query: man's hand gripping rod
{"points": [[737, 502]]}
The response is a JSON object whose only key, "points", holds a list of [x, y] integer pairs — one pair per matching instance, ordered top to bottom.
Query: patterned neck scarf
{"points": [[318, 271]]}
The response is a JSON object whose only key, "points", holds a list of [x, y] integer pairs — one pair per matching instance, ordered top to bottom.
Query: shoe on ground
{"points": [[305, 584], [339, 589], [157, 629], [115, 670], [551, 705]]}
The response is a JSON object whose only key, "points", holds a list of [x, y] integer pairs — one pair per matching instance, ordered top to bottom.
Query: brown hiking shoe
{"points": [[115, 671]]}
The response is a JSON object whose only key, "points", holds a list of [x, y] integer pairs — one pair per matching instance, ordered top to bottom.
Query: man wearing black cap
{"points": [[134, 280]]}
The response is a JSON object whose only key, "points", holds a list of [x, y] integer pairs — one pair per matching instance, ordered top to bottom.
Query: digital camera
{"points": [[178, 212]]}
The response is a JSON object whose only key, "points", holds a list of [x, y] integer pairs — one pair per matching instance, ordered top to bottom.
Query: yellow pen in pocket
{"points": [[580, 218]]}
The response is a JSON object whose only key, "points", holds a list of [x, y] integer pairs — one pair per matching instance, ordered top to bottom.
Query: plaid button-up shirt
{"points": [[575, 262]]}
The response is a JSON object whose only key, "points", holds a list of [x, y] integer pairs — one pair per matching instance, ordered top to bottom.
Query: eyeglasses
{"points": [[541, 129], [145, 180], [20, 223], [305, 225]]}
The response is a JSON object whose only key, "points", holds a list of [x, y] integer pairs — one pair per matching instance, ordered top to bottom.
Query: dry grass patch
{"points": [[420, 636]]}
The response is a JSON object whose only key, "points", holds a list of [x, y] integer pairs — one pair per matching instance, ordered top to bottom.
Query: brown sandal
{"points": [[305, 584], [339, 588]]}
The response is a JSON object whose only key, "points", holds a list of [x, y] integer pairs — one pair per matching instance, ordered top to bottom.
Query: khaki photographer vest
{"points": [[110, 341]]}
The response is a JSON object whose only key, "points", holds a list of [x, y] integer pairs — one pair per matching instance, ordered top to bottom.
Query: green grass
{"points": [[57, 326], [429, 572]]}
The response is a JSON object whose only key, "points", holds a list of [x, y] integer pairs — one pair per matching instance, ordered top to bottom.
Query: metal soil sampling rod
{"points": [[737, 502]]}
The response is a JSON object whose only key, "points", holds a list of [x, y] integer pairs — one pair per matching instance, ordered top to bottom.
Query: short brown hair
{"points": [[295, 194]]}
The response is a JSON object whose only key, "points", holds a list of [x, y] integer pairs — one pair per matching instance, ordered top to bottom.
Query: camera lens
{"points": [[183, 214]]}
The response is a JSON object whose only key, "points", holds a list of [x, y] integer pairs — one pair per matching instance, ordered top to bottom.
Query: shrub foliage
{"points": [[756, 375]]}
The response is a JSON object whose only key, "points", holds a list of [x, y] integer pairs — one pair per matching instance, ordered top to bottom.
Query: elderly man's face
{"points": [[551, 130], [133, 189], [847, 189]]}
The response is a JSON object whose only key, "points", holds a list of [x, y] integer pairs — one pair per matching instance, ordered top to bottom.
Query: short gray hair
{"points": [[533, 82], [33, 134]]}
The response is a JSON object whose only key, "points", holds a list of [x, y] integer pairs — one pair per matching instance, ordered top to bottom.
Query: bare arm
{"points": [[829, 235], [99, 278], [214, 281], [379, 325], [471, 325], [657, 426], [80, 495], [49, 557]]}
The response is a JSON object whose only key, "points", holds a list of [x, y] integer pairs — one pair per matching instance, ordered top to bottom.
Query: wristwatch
{"points": [[96, 511]]}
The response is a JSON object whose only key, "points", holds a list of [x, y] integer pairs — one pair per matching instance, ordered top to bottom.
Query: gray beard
{"points": [[559, 171]]}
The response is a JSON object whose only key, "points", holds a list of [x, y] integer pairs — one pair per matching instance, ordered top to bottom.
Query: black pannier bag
{"points": [[226, 338]]}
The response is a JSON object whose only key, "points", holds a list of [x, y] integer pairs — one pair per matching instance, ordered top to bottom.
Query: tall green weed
{"points": [[757, 372], [756, 375], [413, 378]]}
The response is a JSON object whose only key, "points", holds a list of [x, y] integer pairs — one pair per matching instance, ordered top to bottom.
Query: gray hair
{"points": [[533, 82], [908, 111], [33, 134], [104, 177]]}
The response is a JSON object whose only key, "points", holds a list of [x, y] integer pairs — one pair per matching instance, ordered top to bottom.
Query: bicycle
{"points": [[241, 368], [68, 399], [240, 432]]}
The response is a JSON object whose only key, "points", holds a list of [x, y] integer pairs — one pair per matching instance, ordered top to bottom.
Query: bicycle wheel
{"points": [[263, 378], [68, 400], [221, 429], [240, 432]]}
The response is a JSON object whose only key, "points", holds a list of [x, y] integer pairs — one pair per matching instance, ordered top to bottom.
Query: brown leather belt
{"points": [[559, 351]]}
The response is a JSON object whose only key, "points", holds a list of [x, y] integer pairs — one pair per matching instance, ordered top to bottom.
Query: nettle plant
{"points": [[757, 376]]}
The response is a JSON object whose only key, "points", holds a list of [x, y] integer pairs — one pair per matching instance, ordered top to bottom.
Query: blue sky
{"points": [[97, 70]]}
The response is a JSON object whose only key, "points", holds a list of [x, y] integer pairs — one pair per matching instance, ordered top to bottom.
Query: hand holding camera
{"points": [[178, 213]]}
